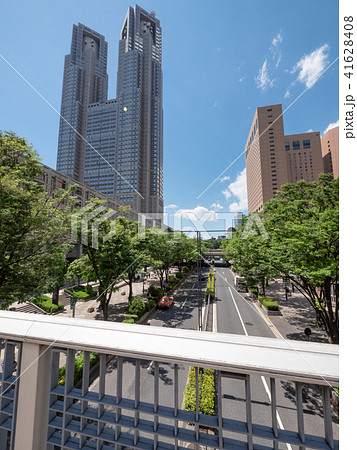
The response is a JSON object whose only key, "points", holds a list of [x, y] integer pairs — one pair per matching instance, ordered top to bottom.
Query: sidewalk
{"points": [[118, 303], [297, 314]]}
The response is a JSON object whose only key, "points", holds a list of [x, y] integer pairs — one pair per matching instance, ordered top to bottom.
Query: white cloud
{"points": [[277, 40], [276, 50], [311, 66], [263, 80], [287, 94], [330, 126], [225, 178], [238, 189], [227, 194], [216, 205], [171, 206], [198, 213]]}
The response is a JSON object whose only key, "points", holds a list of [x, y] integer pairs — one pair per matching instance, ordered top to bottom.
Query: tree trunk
{"points": [[130, 287], [55, 295], [104, 309]]}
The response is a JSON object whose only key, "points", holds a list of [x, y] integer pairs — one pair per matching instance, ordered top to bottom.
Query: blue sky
{"points": [[221, 60]]}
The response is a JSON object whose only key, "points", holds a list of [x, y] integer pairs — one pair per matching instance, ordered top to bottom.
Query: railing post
{"points": [[32, 406]]}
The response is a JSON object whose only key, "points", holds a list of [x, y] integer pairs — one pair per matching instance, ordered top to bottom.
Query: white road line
{"points": [[240, 317], [215, 318], [263, 379]]}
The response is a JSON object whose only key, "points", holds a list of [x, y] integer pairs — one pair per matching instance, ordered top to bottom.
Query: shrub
{"points": [[185, 269], [179, 275], [172, 281], [210, 285], [89, 289], [155, 292], [44, 302], [268, 303], [150, 304], [136, 306], [130, 318], [78, 367], [206, 389]]}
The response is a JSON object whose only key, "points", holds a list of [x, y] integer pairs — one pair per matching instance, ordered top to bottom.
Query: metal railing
{"points": [[124, 408]]}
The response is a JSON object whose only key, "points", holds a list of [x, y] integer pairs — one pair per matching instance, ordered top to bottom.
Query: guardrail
{"points": [[38, 412]]}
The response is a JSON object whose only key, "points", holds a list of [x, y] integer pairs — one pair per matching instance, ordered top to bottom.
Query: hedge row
{"points": [[210, 284], [45, 303], [268, 303], [78, 367], [206, 391]]}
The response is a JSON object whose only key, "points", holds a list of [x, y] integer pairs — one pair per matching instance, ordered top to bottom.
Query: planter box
{"points": [[268, 312]]}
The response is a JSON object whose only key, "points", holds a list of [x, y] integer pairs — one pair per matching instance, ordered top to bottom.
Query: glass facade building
{"points": [[115, 146]]}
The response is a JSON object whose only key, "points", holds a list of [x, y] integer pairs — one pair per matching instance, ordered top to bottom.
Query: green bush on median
{"points": [[210, 285], [268, 303], [78, 367], [206, 391]]}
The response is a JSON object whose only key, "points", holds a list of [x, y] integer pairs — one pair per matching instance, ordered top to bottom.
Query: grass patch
{"points": [[85, 292]]}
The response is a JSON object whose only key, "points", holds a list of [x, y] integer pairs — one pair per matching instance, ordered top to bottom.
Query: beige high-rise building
{"points": [[330, 151], [274, 159]]}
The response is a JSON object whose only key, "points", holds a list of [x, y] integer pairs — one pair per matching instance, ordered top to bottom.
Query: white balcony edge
{"points": [[300, 361]]}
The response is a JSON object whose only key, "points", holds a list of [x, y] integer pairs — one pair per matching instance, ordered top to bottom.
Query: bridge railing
{"points": [[41, 407]]}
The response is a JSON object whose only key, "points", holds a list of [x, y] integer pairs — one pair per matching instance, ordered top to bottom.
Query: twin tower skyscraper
{"points": [[115, 146]]}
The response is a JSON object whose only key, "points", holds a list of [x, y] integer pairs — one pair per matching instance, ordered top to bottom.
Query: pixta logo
{"points": [[85, 225]]}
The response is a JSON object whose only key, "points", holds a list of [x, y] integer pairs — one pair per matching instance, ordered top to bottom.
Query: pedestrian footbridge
{"points": [[39, 411]]}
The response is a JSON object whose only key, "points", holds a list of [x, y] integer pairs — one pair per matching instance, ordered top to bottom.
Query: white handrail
{"points": [[300, 361]]}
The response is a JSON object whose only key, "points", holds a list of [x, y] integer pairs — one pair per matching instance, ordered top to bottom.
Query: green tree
{"points": [[303, 224], [34, 227], [108, 250], [136, 255], [250, 256]]}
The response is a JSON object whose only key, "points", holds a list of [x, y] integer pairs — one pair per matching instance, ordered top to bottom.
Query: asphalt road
{"points": [[233, 313], [182, 314], [237, 314]]}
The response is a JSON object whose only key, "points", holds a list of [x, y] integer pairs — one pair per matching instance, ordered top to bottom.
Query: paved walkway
{"points": [[118, 303], [297, 314]]}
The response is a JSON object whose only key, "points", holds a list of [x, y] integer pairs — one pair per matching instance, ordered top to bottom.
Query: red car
{"points": [[165, 302]]}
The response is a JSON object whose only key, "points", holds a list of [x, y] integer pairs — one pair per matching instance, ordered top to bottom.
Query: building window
{"points": [[306, 143], [287, 145], [296, 145]]}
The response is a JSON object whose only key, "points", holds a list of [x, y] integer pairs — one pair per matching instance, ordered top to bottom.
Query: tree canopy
{"points": [[302, 226], [34, 227]]}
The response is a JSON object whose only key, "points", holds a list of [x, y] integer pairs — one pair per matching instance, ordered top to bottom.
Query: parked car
{"points": [[165, 302]]}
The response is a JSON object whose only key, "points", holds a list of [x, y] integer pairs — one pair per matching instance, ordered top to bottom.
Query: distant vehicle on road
{"points": [[240, 284], [165, 302]]}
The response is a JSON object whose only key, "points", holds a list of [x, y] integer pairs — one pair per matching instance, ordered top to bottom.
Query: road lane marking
{"points": [[238, 312], [263, 379], [267, 390]]}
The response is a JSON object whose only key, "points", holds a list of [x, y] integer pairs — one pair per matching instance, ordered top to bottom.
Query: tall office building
{"points": [[85, 81], [140, 115], [330, 151], [121, 154], [274, 159]]}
